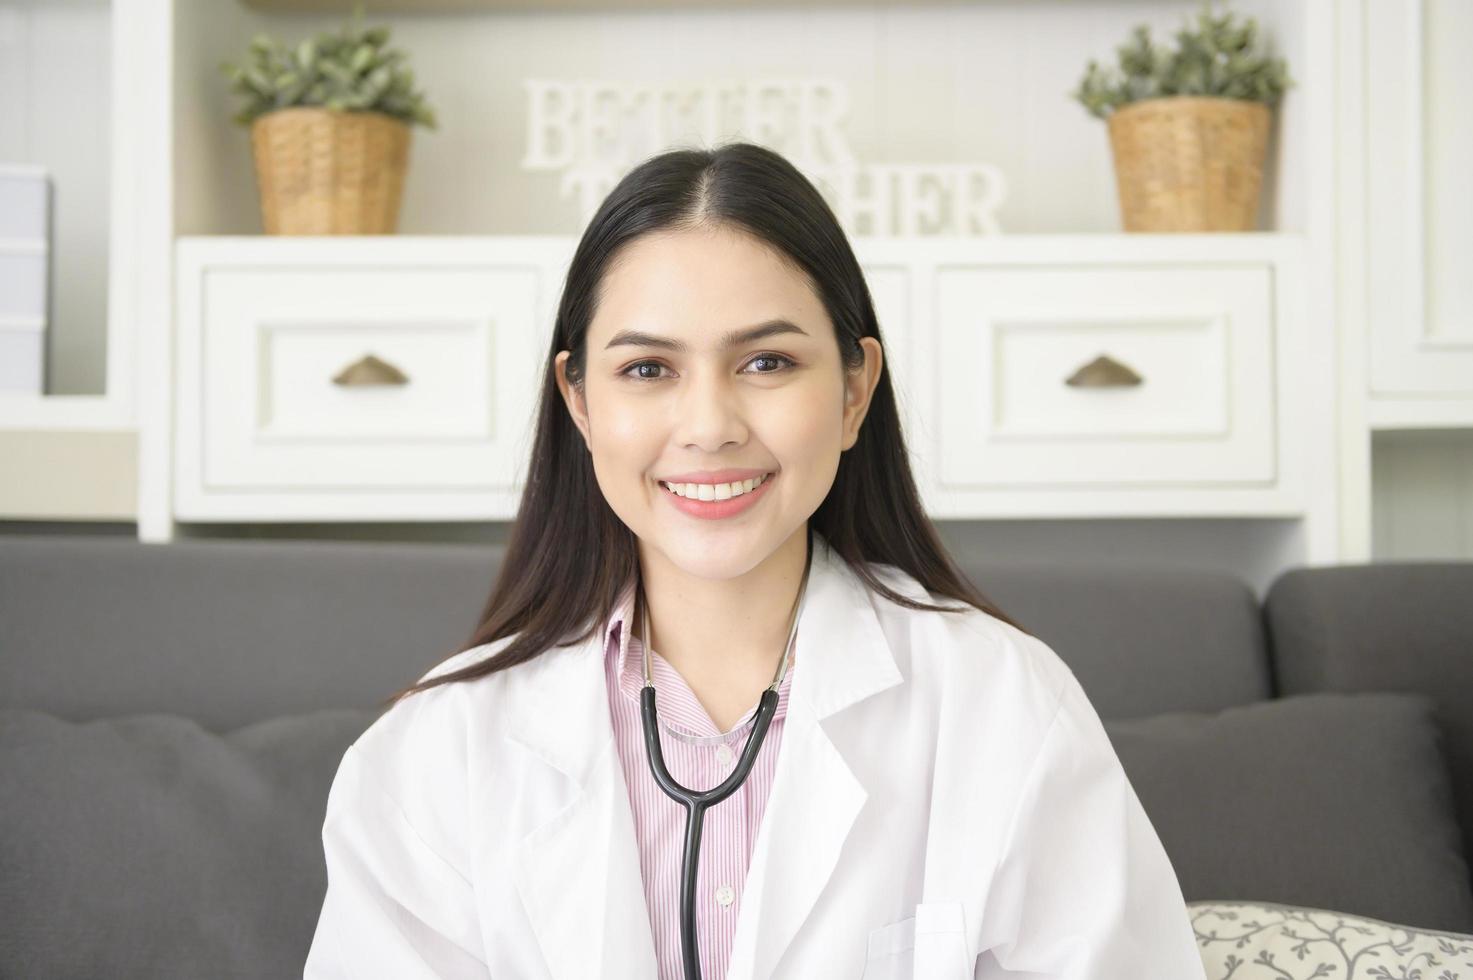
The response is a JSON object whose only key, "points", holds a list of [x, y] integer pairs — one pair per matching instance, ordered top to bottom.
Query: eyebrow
{"points": [[733, 338]]}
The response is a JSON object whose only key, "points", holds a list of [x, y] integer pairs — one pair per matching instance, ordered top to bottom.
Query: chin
{"points": [[718, 553]]}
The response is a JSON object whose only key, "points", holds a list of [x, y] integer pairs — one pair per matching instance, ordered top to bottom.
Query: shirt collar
{"points": [[629, 669], [558, 696]]}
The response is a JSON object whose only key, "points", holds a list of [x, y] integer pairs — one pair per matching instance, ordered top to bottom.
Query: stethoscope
{"points": [[697, 803]]}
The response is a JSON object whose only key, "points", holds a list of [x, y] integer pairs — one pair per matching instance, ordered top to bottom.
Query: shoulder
{"points": [[977, 655], [433, 718], [417, 753]]}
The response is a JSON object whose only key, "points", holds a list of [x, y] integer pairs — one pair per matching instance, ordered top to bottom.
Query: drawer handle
{"points": [[369, 370], [1104, 372]]}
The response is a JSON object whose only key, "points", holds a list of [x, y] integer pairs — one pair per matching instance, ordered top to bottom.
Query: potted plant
{"points": [[330, 122], [1188, 128]]}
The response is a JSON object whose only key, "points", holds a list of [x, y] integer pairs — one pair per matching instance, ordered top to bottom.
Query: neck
{"points": [[724, 628]]}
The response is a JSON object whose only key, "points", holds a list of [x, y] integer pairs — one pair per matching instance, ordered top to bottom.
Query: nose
{"points": [[710, 413]]}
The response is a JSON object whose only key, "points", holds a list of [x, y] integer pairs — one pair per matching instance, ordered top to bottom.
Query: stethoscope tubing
{"points": [[697, 802]]}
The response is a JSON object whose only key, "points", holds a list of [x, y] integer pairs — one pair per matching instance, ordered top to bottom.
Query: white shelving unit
{"points": [[139, 221], [1419, 295], [1403, 297], [984, 339], [1353, 348]]}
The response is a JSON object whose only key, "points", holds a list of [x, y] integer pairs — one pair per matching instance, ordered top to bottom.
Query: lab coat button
{"points": [[723, 755], [725, 896]]}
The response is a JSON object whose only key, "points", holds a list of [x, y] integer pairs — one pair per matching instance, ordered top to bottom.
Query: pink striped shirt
{"points": [[699, 757]]}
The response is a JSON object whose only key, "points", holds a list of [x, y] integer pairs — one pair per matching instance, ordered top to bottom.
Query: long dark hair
{"points": [[568, 554]]}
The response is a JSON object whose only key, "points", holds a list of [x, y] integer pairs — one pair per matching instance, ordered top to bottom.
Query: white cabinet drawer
{"points": [[1104, 375], [375, 377]]}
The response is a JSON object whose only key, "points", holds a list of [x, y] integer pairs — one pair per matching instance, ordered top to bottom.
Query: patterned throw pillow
{"points": [[1267, 941]]}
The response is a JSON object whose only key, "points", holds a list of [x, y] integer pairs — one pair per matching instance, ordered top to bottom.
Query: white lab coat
{"points": [[946, 805]]}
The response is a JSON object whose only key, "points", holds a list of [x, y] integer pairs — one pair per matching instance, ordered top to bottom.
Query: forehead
{"points": [[695, 284]]}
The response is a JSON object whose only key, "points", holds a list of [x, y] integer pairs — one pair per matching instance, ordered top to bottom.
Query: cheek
{"points": [[810, 413], [609, 416], [621, 427], [805, 432], [623, 434]]}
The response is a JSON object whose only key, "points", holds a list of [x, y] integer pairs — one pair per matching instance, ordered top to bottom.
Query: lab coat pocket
{"points": [[930, 944], [890, 951]]}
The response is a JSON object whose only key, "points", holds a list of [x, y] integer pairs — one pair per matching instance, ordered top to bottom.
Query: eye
{"points": [[638, 364], [784, 364]]}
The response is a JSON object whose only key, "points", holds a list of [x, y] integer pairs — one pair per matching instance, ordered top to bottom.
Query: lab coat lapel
{"points": [[841, 657], [577, 870]]}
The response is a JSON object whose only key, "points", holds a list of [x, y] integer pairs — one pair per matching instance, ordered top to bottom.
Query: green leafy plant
{"points": [[1218, 59], [350, 71]]}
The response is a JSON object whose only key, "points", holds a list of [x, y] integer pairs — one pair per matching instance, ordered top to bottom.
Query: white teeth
{"points": [[715, 491]]}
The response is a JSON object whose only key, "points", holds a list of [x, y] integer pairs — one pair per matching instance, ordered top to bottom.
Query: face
{"points": [[669, 397]]}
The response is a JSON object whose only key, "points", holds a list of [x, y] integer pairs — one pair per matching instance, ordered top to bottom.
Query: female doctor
{"points": [[719, 720]]}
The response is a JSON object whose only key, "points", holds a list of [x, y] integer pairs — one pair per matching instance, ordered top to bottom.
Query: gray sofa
{"points": [[171, 717]]}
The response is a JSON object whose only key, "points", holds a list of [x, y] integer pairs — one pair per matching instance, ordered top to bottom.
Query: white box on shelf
{"points": [[25, 201], [25, 273]]}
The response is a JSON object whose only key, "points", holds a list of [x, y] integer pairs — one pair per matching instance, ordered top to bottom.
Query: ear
{"points": [[859, 388], [572, 396]]}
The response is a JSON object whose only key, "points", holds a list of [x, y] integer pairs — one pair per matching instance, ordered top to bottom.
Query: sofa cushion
{"points": [[1384, 626], [229, 632], [1141, 640], [1335, 801], [160, 849], [1270, 941]]}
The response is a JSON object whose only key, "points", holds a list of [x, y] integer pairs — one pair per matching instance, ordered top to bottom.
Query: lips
{"points": [[728, 475], [718, 509]]}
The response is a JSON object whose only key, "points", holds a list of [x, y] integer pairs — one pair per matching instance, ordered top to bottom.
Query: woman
{"points": [[720, 496]]}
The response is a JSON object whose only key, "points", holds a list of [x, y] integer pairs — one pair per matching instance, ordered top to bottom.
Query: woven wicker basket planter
{"points": [[1189, 163], [325, 172]]}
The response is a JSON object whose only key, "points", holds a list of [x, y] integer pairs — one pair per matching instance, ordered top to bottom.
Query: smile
{"points": [[715, 491], [717, 501]]}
